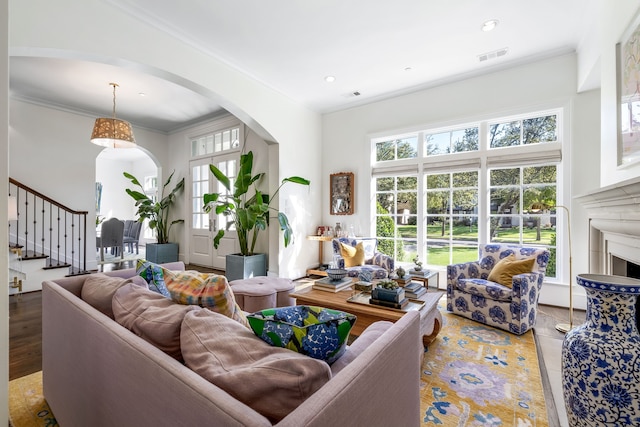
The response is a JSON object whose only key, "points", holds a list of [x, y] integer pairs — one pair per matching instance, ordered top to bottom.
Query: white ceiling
{"points": [[378, 48]]}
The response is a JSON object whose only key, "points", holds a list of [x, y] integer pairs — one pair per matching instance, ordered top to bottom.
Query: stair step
{"points": [[33, 255], [52, 263], [75, 271]]}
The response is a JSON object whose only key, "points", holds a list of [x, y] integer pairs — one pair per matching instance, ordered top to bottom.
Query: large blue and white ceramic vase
{"points": [[601, 358]]}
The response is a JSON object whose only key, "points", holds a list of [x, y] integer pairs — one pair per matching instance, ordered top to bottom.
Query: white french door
{"points": [[204, 226]]}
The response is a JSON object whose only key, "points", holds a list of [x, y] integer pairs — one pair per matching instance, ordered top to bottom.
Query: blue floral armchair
{"points": [[379, 264], [471, 295]]}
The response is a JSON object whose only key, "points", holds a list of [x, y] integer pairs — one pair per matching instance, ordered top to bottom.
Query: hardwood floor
{"points": [[25, 334], [25, 337]]}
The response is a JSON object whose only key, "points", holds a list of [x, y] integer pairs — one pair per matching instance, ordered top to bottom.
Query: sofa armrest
{"points": [[466, 270], [522, 283], [366, 338], [356, 394]]}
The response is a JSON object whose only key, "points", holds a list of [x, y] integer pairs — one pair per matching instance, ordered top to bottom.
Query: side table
{"points": [[320, 240], [430, 279]]}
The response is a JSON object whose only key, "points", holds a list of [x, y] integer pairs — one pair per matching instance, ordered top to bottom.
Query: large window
{"points": [[441, 192], [396, 216], [451, 217]]}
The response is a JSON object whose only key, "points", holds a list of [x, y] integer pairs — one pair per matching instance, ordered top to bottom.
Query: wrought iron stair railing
{"points": [[48, 229]]}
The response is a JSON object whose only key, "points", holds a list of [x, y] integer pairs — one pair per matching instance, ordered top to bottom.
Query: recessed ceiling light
{"points": [[489, 25], [408, 68], [330, 79], [142, 94]]}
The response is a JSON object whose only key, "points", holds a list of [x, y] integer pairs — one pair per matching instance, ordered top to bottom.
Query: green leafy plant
{"points": [[247, 206], [156, 212], [388, 284]]}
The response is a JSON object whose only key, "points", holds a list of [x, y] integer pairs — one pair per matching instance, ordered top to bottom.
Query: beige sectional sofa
{"points": [[98, 373]]}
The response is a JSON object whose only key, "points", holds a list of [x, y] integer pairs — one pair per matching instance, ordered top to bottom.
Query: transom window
{"points": [[216, 142]]}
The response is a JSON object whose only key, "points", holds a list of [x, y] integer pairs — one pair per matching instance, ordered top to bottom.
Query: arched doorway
{"points": [[112, 201]]}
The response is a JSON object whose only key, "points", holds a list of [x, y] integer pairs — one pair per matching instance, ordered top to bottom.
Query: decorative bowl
{"points": [[336, 273]]}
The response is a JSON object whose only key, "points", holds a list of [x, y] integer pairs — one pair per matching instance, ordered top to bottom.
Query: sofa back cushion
{"points": [[98, 290], [151, 316], [273, 381]]}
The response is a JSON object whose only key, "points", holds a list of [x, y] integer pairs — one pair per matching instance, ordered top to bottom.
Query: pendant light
{"points": [[112, 132]]}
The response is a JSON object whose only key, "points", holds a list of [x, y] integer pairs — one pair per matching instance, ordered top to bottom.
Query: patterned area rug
{"points": [[475, 375], [27, 407]]}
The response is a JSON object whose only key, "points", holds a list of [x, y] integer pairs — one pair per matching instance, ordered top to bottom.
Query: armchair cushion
{"points": [[352, 256], [508, 267], [485, 288]]}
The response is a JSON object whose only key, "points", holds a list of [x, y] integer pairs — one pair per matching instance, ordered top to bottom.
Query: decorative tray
{"points": [[363, 298]]}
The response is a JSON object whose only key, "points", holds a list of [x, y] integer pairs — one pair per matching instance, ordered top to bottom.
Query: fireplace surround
{"points": [[614, 228]]}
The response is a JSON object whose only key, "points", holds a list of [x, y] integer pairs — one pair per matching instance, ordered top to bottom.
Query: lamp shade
{"points": [[113, 133], [13, 208]]}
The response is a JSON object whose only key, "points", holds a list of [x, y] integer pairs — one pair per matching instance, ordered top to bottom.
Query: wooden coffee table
{"points": [[430, 316]]}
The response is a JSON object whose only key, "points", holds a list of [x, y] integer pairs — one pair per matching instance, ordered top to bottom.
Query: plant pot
{"points": [[161, 253], [243, 267]]}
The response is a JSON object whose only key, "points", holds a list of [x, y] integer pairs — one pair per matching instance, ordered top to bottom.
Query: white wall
{"points": [[616, 16], [544, 84]]}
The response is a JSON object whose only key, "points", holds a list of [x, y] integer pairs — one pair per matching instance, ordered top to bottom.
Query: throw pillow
{"points": [[352, 256], [508, 267], [154, 275], [98, 290], [206, 290], [151, 316], [314, 331], [272, 381]]}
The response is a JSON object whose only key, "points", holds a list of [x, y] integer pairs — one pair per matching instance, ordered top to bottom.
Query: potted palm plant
{"points": [[249, 209], [157, 212]]}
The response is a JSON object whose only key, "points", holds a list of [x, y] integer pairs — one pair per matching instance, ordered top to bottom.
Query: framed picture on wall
{"points": [[628, 82], [341, 193]]}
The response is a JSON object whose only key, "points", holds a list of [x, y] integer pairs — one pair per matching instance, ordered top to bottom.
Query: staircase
{"points": [[49, 235]]}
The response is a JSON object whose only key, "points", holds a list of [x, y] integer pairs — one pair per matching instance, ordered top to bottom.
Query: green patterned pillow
{"points": [[153, 274], [317, 332]]}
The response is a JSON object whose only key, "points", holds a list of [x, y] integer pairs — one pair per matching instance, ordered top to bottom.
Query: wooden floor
{"points": [[25, 334]]}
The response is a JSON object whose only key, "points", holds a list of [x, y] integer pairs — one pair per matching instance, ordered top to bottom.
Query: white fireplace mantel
{"points": [[614, 220]]}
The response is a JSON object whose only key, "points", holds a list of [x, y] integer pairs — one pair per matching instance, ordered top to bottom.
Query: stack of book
{"points": [[419, 273], [401, 281], [328, 285], [414, 290], [389, 298]]}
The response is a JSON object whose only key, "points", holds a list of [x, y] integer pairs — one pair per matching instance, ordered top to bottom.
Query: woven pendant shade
{"points": [[112, 132]]}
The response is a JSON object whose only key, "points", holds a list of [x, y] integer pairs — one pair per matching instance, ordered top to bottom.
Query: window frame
{"points": [[482, 160]]}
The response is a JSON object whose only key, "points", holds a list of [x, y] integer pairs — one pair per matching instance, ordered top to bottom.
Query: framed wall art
{"points": [[628, 85], [341, 193]]}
